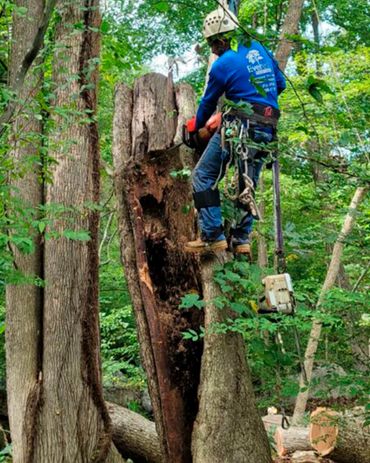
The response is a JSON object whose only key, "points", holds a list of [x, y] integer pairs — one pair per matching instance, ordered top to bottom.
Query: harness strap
{"points": [[206, 198]]}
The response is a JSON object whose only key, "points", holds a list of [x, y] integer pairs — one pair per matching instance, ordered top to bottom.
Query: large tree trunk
{"points": [[153, 228], [331, 277], [24, 300], [65, 417], [228, 427]]}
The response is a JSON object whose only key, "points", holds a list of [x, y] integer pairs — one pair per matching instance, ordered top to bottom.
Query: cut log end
{"points": [[324, 430]]}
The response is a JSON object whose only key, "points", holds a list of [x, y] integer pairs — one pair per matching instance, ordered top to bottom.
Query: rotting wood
{"points": [[153, 228]]}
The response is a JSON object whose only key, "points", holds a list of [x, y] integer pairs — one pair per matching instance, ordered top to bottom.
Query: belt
{"points": [[267, 115]]}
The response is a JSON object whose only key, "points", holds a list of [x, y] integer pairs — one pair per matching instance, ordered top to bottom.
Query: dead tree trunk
{"points": [[154, 227], [329, 282], [23, 301], [64, 414], [228, 427]]}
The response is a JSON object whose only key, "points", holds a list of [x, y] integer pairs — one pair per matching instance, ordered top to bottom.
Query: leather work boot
{"points": [[202, 247], [238, 247]]}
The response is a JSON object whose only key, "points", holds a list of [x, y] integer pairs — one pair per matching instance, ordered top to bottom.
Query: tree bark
{"points": [[290, 27], [153, 229], [329, 282], [23, 301], [69, 418], [228, 427], [135, 436], [289, 440]]}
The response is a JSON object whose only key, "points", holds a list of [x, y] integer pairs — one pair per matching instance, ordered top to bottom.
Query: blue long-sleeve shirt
{"points": [[235, 73]]}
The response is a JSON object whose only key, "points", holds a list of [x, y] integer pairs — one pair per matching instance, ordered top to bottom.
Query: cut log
{"points": [[134, 436], [342, 436], [290, 440], [305, 456]]}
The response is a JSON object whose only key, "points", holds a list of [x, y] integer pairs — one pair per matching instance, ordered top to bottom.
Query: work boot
{"points": [[203, 247], [241, 247]]}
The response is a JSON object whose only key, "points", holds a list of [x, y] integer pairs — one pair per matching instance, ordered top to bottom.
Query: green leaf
{"points": [[162, 7], [234, 44], [257, 86], [77, 235], [191, 300]]}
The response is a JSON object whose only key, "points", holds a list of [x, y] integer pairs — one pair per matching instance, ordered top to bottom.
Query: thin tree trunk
{"points": [[290, 27], [262, 258], [330, 280], [24, 301], [72, 421]]}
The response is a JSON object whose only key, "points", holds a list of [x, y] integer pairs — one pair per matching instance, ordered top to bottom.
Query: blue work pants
{"points": [[211, 169]]}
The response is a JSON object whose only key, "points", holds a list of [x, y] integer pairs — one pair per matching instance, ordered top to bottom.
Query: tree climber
{"points": [[245, 74]]}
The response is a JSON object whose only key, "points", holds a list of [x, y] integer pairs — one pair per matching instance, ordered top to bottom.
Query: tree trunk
{"points": [[290, 27], [153, 229], [330, 280], [23, 301], [67, 413], [228, 427], [135, 436], [340, 436]]}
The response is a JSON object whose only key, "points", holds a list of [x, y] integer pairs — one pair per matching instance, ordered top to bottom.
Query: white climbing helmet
{"points": [[219, 21]]}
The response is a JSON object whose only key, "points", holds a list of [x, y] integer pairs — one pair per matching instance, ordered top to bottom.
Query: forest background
{"points": [[324, 153]]}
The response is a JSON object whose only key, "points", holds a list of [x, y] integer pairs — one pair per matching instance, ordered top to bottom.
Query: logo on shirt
{"points": [[254, 57]]}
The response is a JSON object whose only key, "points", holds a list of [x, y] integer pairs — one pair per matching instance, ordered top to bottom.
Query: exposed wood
{"points": [[290, 27], [154, 227], [329, 282], [23, 301], [228, 427], [135, 436], [341, 436], [289, 440], [305, 456]]}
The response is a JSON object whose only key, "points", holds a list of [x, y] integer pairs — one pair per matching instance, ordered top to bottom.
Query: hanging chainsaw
{"points": [[278, 289]]}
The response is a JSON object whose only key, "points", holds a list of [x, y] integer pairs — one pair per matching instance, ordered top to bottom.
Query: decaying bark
{"points": [[153, 228], [329, 282], [23, 301], [228, 427], [340, 436]]}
